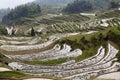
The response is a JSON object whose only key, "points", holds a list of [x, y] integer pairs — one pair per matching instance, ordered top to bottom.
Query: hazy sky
{"points": [[12, 3]]}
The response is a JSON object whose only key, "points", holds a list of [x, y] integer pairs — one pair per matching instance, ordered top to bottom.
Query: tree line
{"points": [[88, 5], [27, 10], [3, 12]]}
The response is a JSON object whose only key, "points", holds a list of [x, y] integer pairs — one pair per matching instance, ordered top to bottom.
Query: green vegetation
{"points": [[52, 2], [114, 4], [89, 5], [52, 6], [78, 6], [3, 12], [109, 14], [15, 16], [27, 17], [64, 18], [71, 18], [3, 31], [32, 32], [90, 43], [87, 53], [3, 58], [4, 61], [49, 62], [9, 74], [12, 74]]}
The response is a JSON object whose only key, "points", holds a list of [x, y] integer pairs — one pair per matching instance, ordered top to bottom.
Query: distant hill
{"points": [[52, 2], [89, 5], [52, 6], [34, 9], [16, 16]]}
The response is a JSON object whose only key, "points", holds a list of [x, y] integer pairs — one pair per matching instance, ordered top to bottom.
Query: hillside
{"points": [[52, 2], [90, 5], [52, 6], [37, 8], [15, 15], [38, 44], [51, 62]]}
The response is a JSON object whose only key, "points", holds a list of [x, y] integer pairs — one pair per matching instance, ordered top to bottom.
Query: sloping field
{"points": [[94, 66]]}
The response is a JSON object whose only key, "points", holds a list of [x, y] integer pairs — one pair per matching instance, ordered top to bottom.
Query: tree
{"points": [[114, 4], [88, 5], [38, 8], [32, 32], [108, 35], [100, 37], [83, 40], [94, 41]]}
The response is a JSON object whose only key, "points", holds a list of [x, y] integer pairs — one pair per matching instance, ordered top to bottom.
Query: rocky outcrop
{"points": [[12, 30]]}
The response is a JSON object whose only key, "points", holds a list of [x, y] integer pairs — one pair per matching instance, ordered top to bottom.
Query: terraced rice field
{"points": [[86, 26], [24, 51], [99, 64], [96, 65]]}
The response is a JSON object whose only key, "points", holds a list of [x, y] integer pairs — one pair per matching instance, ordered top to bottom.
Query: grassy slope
{"points": [[94, 41], [12, 74]]}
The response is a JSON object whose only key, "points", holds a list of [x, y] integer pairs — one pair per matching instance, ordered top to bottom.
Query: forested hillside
{"points": [[89, 5], [52, 6], [3, 12], [15, 15]]}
